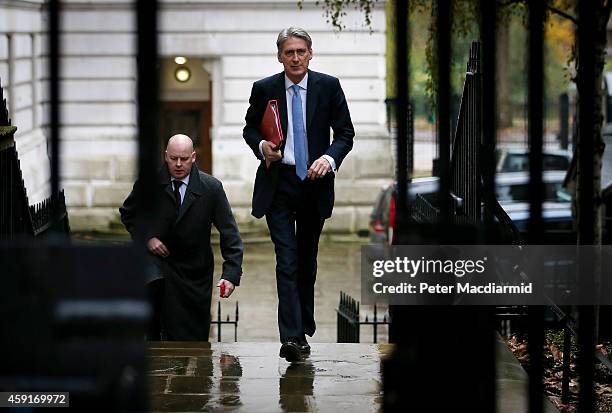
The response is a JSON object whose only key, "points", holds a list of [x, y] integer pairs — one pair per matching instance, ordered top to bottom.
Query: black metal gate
{"points": [[73, 317], [454, 347]]}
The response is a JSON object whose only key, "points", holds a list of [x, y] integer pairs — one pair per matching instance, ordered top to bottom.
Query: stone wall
{"points": [[236, 41]]}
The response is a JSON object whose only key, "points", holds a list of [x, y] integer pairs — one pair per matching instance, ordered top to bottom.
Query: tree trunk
{"points": [[603, 15], [600, 54], [600, 60]]}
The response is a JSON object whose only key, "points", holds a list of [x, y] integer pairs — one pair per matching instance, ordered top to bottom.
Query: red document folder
{"points": [[270, 127]]}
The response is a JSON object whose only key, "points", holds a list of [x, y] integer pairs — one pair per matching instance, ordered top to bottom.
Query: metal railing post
{"points": [[54, 99], [564, 120], [219, 321], [236, 324], [375, 326]]}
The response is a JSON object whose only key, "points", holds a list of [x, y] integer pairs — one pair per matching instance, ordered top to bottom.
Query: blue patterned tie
{"points": [[299, 140]]}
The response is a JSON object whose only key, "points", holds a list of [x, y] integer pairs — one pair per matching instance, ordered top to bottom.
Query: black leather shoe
{"points": [[304, 346], [290, 351]]}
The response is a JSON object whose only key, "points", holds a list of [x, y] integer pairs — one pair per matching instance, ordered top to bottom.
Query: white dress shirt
{"points": [[288, 153], [182, 188]]}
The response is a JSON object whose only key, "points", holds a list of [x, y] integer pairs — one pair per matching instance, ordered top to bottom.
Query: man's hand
{"points": [[270, 154], [319, 169], [157, 247], [228, 288]]}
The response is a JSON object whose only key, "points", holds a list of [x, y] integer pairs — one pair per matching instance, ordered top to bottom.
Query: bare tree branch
{"points": [[563, 14]]}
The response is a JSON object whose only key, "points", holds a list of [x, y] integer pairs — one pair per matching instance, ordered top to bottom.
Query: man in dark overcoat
{"points": [[296, 193], [189, 203]]}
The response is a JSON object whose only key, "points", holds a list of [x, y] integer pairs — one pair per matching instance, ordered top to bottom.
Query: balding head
{"points": [[180, 142], [179, 156]]}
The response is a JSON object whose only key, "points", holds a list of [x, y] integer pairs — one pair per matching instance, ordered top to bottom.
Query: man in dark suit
{"points": [[296, 192], [189, 203]]}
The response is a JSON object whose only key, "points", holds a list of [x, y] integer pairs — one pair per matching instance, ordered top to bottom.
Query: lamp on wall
{"points": [[180, 60], [182, 74]]}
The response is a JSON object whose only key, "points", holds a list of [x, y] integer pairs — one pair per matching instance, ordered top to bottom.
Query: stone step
{"points": [[116, 225], [248, 231], [116, 232]]}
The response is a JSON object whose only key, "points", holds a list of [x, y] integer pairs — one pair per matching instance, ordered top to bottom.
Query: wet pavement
{"points": [[338, 270], [250, 377]]}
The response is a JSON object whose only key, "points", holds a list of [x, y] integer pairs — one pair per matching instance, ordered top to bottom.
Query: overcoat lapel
{"points": [[164, 180]]}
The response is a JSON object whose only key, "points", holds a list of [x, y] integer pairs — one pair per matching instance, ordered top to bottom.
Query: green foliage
{"points": [[335, 10], [465, 29], [556, 338]]}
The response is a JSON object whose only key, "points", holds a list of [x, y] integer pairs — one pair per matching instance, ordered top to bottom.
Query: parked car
{"points": [[517, 160], [514, 186], [511, 191], [557, 215]]}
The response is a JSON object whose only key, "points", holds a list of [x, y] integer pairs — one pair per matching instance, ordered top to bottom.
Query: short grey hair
{"points": [[293, 32]]}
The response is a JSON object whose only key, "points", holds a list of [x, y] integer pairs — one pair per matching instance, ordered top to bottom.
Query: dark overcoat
{"points": [[189, 268]]}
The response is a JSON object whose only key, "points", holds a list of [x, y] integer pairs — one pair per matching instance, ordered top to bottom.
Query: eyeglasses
{"points": [[289, 53]]}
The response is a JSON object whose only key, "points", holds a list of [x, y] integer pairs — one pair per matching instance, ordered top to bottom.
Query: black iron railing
{"points": [[465, 159], [468, 194], [422, 211], [44, 213], [14, 215], [17, 217], [83, 304], [349, 320], [219, 322], [421, 334]]}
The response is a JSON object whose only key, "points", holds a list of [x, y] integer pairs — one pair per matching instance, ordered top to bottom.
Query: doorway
{"points": [[193, 119]]}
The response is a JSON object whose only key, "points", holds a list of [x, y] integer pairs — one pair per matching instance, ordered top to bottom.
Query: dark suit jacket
{"points": [[325, 107], [189, 267]]}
